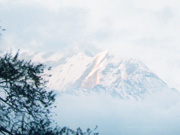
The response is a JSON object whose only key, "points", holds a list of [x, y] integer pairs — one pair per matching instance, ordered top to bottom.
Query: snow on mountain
{"points": [[83, 69], [68, 71]]}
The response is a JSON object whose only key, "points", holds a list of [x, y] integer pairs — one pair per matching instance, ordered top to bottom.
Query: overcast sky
{"points": [[148, 30]]}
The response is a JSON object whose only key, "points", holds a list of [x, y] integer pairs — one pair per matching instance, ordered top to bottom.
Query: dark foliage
{"points": [[24, 102]]}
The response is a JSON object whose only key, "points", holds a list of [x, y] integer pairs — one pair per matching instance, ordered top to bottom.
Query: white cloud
{"points": [[148, 30], [157, 114]]}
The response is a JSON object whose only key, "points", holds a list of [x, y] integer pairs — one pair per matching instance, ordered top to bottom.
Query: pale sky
{"points": [[144, 29]]}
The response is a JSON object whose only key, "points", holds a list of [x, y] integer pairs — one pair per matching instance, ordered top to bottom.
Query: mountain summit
{"points": [[94, 71], [127, 77]]}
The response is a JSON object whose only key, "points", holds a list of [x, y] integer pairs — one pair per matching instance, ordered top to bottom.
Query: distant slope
{"points": [[85, 69]]}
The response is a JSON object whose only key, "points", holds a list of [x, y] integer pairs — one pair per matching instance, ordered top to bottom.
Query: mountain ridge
{"points": [[125, 77]]}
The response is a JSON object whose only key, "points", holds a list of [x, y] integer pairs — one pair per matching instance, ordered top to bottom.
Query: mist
{"points": [[156, 114]]}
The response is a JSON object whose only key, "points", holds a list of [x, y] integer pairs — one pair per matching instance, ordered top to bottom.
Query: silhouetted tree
{"points": [[24, 101]]}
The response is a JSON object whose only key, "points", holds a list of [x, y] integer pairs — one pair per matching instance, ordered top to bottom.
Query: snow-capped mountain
{"points": [[87, 70]]}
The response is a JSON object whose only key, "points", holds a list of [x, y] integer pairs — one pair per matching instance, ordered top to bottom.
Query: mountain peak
{"points": [[86, 68], [94, 71]]}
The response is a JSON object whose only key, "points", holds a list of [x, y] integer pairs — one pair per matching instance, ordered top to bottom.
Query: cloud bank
{"points": [[147, 30], [158, 114]]}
